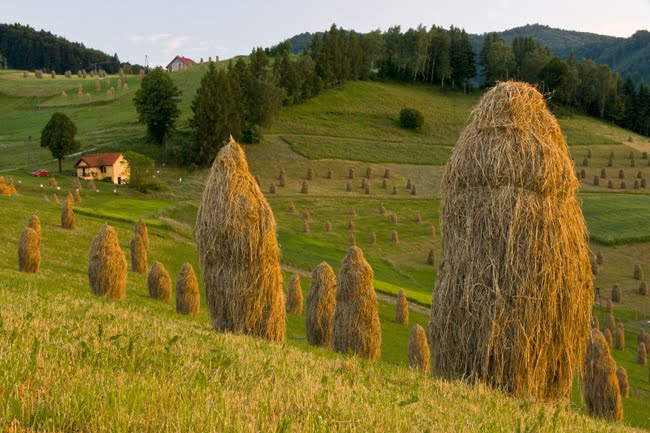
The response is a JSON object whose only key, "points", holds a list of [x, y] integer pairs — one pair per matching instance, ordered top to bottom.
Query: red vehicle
{"points": [[40, 173]]}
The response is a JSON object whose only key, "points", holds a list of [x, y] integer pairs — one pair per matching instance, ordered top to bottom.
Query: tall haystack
{"points": [[53, 183], [11, 186], [305, 187], [55, 198], [291, 208], [67, 215], [34, 223], [328, 227], [142, 231], [238, 250], [29, 251], [138, 255], [599, 257], [107, 265], [638, 272], [158, 282], [643, 288], [514, 290], [616, 293], [294, 296], [188, 297], [321, 303], [609, 306], [402, 309], [356, 319], [610, 323], [608, 337], [619, 337], [418, 349], [641, 354], [623, 382], [600, 389]]}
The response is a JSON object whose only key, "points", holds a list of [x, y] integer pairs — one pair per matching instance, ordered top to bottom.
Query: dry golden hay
{"points": [[585, 162], [369, 172], [351, 173], [387, 173], [603, 173], [310, 174], [330, 174], [583, 174], [621, 174], [283, 179], [596, 180], [258, 181], [53, 182], [76, 183], [384, 183], [408, 184], [12, 186], [348, 186], [305, 187], [4, 189], [273, 189], [368, 189], [394, 190], [414, 190], [77, 197], [55, 198], [292, 207], [382, 209], [67, 215], [305, 215], [418, 217], [393, 218], [34, 223], [351, 225], [305, 226], [328, 227], [432, 230], [142, 231], [394, 237], [373, 238], [353, 240], [238, 250], [29, 251], [138, 255], [431, 258], [599, 258], [107, 265], [638, 273], [158, 282], [514, 288], [643, 288], [616, 293], [294, 296], [188, 298], [321, 304], [609, 306], [402, 309], [356, 319], [594, 322], [610, 323], [619, 337], [641, 337], [608, 338], [418, 349], [641, 354], [623, 382], [600, 385]]}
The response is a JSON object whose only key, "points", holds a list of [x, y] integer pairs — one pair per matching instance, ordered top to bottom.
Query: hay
{"points": [[589, 153], [610, 162], [585, 163], [632, 163], [369, 172], [351, 173], [387, 173], [603, 173], [281, 174], [310, 174], [330, 174], [583, 174], [621, 174], [639, 175], [283, 180], [596, 180], [258, 181], [53, 183], [76, 183], [364, 183], [643, 183], [384, 184], [408, 184], [610, 184], [11, 186], [348, 186], [305, 187], [273, 189], [368, 189], [394, 190], [414, 190], [77, 197], [55, 198], [292, 207], [382, 209], [352, 212], [67, 215], [305, 215], [418, 217], [393, 218], [34, 223], [351, 225], [305, 226], [328, 227], [432, 230], [142, 231], [394, 237], [373, 238], [353, 240], [238, 250], [29, 251], [138, 255], [431, 258], [599, 258], [107, 265], [638, 273], [158, 282], [514, 288], [643, 288], [616, 293], [294, 296], [188, 298], [321, 304], [609, 306], [402, 309], [356, 318], [594, 322], [610, 323], [619, 337], [608, 338], [418, 349], [641, 354], [623, 383], [600, 388]]}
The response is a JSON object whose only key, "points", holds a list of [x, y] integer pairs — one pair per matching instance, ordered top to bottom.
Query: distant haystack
{"points": [[67, 215], [34, 223], [238, 250], [29, 251], [107, 265], [158, 282], [514, 290], [294, 296], [188, 297], [321, 303], [402, 309], [356, 320], [619, 337], [418, 349], [623, 382], [600, 388]]}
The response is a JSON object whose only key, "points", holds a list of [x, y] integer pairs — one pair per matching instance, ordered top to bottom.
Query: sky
{"points": [[208, 28]]}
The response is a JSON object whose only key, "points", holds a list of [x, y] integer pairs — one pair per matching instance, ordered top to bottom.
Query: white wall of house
{"points": [[176, 65]]}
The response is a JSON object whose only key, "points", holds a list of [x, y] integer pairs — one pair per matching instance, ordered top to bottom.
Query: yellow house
{"points": [[100, 166]]}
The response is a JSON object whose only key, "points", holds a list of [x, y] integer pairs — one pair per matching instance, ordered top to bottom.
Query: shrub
{"points": [[410, 118]]}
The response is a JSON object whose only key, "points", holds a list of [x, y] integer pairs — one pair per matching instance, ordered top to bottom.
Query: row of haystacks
{"points": [[76, 184], [7, 189]]}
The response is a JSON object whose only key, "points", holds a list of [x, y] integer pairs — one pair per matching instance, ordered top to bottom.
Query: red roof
{"points": [[186, 60], [99, 159]]}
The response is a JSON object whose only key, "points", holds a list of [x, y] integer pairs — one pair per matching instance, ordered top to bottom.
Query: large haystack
{"points": [[67, 215], [34, 223], [142, 231], [238, 250], [29, 251], [138, 254], [107, 265], [158, 282], [514, 288], [294, 296], [188, 297], [321, 302], [402, 309], [356, 319], [619, 337], [418, 349], [600, 389]]}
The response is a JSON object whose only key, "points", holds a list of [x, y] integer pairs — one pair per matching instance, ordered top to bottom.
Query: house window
{"points": [[102, 169]]}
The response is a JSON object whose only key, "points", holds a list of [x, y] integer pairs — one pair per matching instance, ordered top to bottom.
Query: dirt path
{"points": [[389, 299]]}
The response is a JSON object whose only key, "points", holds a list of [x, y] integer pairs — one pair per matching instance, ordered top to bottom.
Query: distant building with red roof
{"points": [[180, 63], [100, 166]]}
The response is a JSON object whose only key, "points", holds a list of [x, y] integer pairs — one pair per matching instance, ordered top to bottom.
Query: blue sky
{"points": [[204, 28]]}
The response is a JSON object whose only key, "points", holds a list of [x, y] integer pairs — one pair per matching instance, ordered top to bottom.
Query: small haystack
{"points": [[351, 173], [387, 173], [603, 173], [310, 174], [330, 174], [621, 174], [283, 179], [596, 180], [53, 183], [384, 184], [408, 184], [348, 186], [305, 187], [273, 189], [394, 190], [77, 197], [55, 198], [292, 207], [382, 209], [67, 215], [305, 215], [418, 217], [393, 218], [34, 223], [351, 225], [305, 226], [328, 227], [142, 231], [394, 237], [373, 238], [353, 240], [238, 250], [29, 251], [138, 255], [431, 258], [599, 258], [107, 265], [638, 273], [158, 282], [643, 288], [514, 290], [616, 293], [294, 296], [188, 297], [321, 304], [609, 306], [402, 309], [356, 320], [594, 322], [610, 323], [619, 337], [608, 338], [418, 349], [641, 354], [623, 383], [600, 388]]}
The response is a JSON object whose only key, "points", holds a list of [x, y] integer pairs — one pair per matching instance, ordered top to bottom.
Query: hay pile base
{"points": [[238, 250], [29, 251], [107, 265], [514, 290], [188, 297], [321, 303], [418, 349], [600, 389]]}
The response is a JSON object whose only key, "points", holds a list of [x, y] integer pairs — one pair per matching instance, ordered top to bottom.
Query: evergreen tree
{"points": [[461, 58], [498, 61], [157, 104], [58, 136]]}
